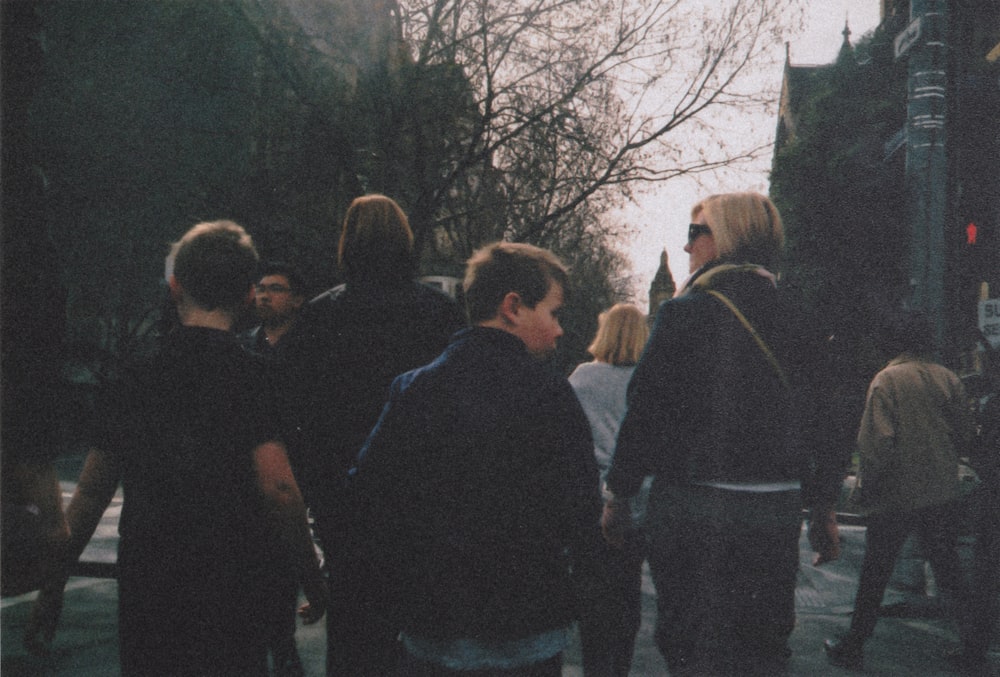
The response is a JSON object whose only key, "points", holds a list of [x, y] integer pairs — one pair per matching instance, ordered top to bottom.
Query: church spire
{"points": [[846, 54], [663, 286]]}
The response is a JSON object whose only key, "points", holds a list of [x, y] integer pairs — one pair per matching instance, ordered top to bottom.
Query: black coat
{"points": [[333, 371], [706, 405]]}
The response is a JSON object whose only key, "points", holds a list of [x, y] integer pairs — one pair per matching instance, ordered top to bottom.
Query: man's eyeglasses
{"points": [[696, 230], [271, 288]]}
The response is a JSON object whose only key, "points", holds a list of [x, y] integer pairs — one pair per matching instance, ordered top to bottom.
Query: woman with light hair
{"points": [[740, 227], [600, 385], [714, 413], [611, 592]]}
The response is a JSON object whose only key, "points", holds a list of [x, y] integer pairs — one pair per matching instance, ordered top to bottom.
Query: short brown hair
{"points": [[746, 227], [376, 241], [216, 264], [503, 267], [907, 331], [622, 333]]}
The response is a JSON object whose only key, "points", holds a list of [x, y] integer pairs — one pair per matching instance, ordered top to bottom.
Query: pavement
{"points": [[910, 640]]}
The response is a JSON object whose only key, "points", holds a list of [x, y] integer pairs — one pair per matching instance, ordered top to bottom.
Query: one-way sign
{"points": [[910, 35]]}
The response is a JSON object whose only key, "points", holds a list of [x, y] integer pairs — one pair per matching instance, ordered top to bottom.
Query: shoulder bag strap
{"points": [[753, 332]]}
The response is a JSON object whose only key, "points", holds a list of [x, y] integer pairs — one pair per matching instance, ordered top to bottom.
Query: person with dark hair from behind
{"points": [[278, 297], [335, 367], [915, 426], [477, 489], [209, 493], [611, 588]]}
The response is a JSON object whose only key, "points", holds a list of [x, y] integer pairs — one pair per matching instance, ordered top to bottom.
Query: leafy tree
{"points": [[141, 119]]}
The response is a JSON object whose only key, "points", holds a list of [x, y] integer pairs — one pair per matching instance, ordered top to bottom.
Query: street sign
{"points": [[902, 42], [994, 54], [989, 321]]}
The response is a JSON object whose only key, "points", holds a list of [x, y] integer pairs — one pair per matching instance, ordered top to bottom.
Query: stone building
{"points": [[944, 155]]}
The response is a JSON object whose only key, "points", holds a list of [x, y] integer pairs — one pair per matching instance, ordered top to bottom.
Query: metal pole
{"points": [[927, 162]]}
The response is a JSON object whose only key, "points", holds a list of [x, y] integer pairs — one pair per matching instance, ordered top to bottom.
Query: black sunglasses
{"points": [[696, 230], [272, 288]]}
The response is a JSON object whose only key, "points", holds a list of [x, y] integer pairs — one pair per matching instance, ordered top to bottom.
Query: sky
{"points": [[661, 216]]}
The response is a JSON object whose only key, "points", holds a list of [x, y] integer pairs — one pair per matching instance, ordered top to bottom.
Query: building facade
{"points": [[944, 157]]}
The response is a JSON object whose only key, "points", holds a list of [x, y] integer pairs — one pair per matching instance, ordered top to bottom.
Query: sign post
{"points": [[989, 321]]}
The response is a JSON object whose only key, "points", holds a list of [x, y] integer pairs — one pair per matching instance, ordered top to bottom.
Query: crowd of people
{"points": [[470, 503]]}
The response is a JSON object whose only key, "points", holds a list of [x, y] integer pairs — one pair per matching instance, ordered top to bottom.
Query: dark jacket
{"points": [[255, 340], [334, 368], [706, 405], [985, 454], [478, 487]]}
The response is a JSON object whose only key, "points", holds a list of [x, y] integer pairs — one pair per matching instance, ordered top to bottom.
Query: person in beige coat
{"points": [[915, 425]]}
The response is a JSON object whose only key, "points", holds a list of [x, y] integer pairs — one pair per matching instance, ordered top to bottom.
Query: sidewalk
{"points": [[86, 645]]}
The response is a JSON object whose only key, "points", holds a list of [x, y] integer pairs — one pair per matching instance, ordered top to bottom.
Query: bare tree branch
{"points": [[576, 101]]}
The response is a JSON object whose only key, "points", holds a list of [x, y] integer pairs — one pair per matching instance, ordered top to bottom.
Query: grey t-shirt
{"points": [[601, 388]]}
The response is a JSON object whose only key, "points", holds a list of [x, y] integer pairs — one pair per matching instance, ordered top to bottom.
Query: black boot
{"points": [[845, 652], [969, 661], [287, 662]]}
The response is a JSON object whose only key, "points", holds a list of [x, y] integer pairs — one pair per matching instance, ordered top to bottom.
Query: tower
{"points": [[662, 287]]}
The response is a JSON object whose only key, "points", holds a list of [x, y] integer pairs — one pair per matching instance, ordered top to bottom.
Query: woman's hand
{"points": [[616, 520], [824, 536], [318, 598]]}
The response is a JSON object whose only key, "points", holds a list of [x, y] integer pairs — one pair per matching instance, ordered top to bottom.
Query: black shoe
{"points": [[844, 652], [969, 662], [289, 665]]}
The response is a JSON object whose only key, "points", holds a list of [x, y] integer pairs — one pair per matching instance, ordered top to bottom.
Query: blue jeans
{"points": [[414, 667]]}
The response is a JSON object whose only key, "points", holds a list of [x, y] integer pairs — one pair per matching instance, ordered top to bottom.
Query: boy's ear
{"points": [[176, 290], [510, 307]]}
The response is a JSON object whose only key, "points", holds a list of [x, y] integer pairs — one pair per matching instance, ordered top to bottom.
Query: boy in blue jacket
{"points": [[478, 485]]}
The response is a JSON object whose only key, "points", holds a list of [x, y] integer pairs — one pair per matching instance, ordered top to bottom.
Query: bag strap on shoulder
{"points": [[753, 332]]}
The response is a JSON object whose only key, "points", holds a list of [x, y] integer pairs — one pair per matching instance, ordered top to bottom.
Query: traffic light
{"points": [[978, 256]]}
